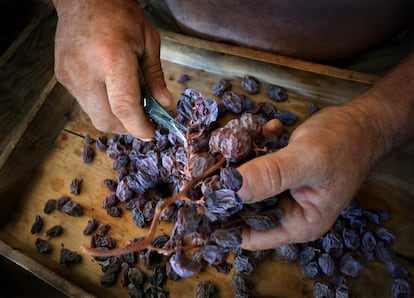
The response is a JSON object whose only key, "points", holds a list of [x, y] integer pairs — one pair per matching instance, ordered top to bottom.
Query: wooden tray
{"points": [[43, 132]]}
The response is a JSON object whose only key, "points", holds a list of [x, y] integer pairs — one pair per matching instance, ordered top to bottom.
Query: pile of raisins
{"points": [[195, 187], [357, 238]]}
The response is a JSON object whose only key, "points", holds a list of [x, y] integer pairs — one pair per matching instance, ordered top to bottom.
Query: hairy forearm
{"points": [[387, 109]]}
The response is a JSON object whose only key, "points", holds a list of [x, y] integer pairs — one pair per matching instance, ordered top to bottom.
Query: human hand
{"points": [[100, 47], [324, 164]]}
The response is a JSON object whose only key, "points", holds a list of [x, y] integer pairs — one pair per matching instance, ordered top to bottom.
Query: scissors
{"points": [[160, 115]]}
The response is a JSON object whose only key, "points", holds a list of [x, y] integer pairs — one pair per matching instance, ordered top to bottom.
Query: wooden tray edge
{"points": [[272, 58], [48, 276]]}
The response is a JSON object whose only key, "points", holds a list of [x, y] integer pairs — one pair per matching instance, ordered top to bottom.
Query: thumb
{"points": [[124, 96], [274, 173]]}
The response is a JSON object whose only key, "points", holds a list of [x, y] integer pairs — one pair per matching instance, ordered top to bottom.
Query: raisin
{"points": [[183, 78], [250, 85], [221, 86], [276, 93], [88, 154], [110, 184], [75, 186], [62, 201], [50, 206], [72, 209], [37, 225], [90, 227], [54, 231], [43, 246], [68, 257], [244, 265], [159, 275], [205, 289]]}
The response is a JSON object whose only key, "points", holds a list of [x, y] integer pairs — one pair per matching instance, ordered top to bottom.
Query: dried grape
{"points": [[183, 78], [250, 85], [221, 86], [276, 93], [233, 102], [286, 117], [252, 123], [101, 143], [233, 144], [88, 154], [231, 178], [75, 186], [62, 201], [221, 204], [50, 206], [72, 208], [262, 221], [37, 225], [90, 227], [103, 230], [54, 231], [385, 235], [229, 237], [351, 239], [333, 244], [43, 246], [287, 252], [214, 253], [307, 255], [68, 257], [326, 264], [244, 265], [351, 265], [184, 266], [310, 270], [158, 275], [136, 276], [240, 285], [401, 288], [205, 289], [323, 289]]}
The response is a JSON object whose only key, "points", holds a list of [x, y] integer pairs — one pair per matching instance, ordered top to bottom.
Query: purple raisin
{"points": [[250, 85]]}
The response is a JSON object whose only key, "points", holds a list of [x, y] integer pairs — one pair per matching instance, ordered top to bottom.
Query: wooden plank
{"points": [[271, 58], [205, 63], [23, 78], [310, 85], [34, 144], [65, 163], [53, 179], [42, 272]]}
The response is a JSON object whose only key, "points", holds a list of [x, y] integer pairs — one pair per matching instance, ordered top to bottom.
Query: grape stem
{"points": [[146, 243]]}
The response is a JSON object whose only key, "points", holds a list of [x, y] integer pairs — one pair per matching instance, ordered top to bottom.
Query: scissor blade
{"points": [[161, 116]]}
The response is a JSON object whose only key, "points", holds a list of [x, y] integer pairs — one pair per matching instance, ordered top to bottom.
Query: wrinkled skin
{"points": [[100, 46], [327, 159], [322, 171]]}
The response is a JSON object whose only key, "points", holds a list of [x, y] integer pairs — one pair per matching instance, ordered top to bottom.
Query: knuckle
{"points": [[121, 109], [106, 125]]}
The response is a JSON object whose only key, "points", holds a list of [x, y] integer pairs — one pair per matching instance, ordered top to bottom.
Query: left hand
{"points": [[323, 166]]}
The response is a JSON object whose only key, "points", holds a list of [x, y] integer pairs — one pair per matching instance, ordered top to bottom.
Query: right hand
{"points": [[100, 47]]}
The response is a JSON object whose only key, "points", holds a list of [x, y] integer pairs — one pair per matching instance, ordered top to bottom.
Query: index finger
{"points": [[124, 95], [295, 227]]}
